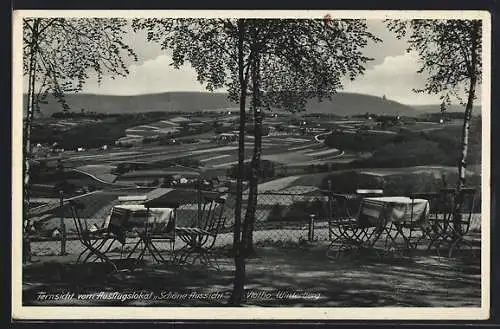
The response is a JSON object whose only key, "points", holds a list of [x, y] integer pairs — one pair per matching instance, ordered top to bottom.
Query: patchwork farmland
{"points": [[211, 155]]}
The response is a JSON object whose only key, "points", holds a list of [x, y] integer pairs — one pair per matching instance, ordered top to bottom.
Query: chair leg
{"points": [[457, 243], [100, 245], [86, 249], [133, 249], [105, 251], [155, 252], [183, 254], [81, 255], [172, 255], [101, 256]]}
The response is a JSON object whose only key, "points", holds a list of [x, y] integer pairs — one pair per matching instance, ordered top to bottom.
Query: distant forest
{"points": [[343, 104]]}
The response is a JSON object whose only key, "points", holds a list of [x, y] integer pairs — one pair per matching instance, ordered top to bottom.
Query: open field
{"points": [[279, 149]]}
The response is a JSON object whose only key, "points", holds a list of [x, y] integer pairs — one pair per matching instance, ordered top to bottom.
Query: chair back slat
{"points": [[466, 200], [443, 205], [341, 207], [373, 213], [212, 215], [79, 222], [118, 222]]}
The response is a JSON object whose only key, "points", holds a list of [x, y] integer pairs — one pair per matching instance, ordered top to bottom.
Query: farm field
{"points": [[281, 149], [310, 159]]}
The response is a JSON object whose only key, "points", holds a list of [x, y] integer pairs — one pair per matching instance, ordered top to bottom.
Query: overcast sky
{"points": [[391, 73]]}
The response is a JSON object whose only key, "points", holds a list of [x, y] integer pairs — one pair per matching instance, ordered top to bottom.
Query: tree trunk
{"points": [[30, 109], [255, 164], [462, 164], [237, 295]]}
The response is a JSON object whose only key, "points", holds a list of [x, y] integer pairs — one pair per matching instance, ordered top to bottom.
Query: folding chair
{"points": [[453, 220], [348, 226], [412, 226], [415, 226], [155, 233], [200, 238], [93, 240]]}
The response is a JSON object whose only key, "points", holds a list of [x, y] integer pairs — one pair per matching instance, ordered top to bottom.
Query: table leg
{"points": [[134, 248], [155, 252]]}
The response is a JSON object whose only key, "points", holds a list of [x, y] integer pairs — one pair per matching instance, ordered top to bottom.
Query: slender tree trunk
{"points": [[30, 109], [462, 164], [255, 165], [238, 293]]}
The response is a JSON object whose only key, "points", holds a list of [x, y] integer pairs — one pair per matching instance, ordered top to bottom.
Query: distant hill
{"points": [[174, 101], [354, 103], [340, 104], [432, 108]]}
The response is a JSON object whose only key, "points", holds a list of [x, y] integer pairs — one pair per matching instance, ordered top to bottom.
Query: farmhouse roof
{"points": [[179, 119]]}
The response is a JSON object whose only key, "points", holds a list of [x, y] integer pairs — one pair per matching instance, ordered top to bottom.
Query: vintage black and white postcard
{"points": [[287, 164]]}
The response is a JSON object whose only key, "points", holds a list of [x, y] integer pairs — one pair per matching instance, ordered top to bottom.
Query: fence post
{"points": [[62, 225], [310, 235]]}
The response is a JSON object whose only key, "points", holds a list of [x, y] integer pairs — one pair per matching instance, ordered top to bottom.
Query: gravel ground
{"points": [[284, 272]]}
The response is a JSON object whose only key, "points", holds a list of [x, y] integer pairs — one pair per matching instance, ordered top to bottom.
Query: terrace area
{"points": [[290, 267]]}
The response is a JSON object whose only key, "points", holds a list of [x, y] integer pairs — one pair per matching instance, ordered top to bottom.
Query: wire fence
{"points": [[287, 217]]}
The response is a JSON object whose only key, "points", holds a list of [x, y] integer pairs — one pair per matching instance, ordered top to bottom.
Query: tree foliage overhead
{"points": [[66, 50], [449, 50], [58, 54], [451, 54], [299, 58], [309, 58]]}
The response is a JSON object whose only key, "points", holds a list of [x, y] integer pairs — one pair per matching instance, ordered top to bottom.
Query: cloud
{"points": [[151, 76], [395, 78]]}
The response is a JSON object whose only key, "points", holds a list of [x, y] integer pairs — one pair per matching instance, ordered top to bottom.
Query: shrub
{"points": [[250, 129], [149, 140], [189, 140], [359, 142], [267, 170]]}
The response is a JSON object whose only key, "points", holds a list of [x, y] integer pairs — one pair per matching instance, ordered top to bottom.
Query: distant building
{"points": [[180, 120], [196, 124], [293, 129], [168, 131], [226, 138], [129, 140]]}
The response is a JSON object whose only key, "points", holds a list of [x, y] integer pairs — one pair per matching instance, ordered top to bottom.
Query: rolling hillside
{"points": [[351, 103], [341, 104], [433, 108]]}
